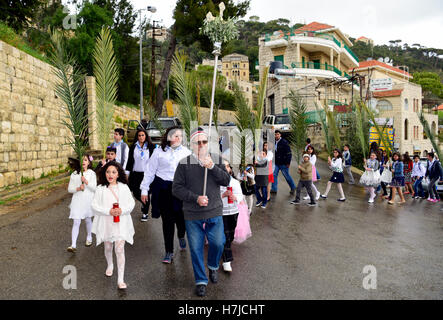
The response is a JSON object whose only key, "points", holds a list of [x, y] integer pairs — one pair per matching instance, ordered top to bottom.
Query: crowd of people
{"points": [[199, 193]]}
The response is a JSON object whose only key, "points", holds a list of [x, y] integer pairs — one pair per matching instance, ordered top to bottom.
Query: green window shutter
{"points": [[280, 58]]}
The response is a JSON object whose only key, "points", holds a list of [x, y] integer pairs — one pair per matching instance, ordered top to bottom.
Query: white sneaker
{"points": [[318, 196], [306, 198], [371, 201], [227, 267]]}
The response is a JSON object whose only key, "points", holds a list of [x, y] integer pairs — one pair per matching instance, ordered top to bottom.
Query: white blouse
{"points": [[313, 159], [140, 162], [163, 164], [336, 165], [103, 225]]}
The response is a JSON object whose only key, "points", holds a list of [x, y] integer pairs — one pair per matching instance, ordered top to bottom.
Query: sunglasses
{"points": [[200, 142]]}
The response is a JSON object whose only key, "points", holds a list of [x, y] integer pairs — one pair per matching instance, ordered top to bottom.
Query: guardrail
{"points": [[351, 53], [316, 65]]}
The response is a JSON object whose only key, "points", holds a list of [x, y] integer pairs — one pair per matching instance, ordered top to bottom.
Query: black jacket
{"points": [[283, 154], [435, 171]]}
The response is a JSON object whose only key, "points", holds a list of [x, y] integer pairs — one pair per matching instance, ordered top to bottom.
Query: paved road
{"points": [[294, 253]]}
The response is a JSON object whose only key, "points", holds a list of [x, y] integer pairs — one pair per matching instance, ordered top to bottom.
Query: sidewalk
{"points": [[16, 192]]}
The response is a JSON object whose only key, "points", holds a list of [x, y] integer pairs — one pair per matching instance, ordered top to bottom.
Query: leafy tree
{"points": [[17, 13], [189, 16], [430, 83]]}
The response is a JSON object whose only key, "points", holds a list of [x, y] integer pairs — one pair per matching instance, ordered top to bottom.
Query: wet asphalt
{"points": [[295, 252]]}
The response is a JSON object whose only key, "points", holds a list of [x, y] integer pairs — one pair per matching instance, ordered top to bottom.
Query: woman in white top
{"points": [[139, 153], [269, 157], [313, 159], [336, 165], [160, 172], [83, 188], [112, 205], [230, 215]]}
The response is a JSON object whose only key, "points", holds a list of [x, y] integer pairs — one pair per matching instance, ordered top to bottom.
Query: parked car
{"points": [[280, 122], [153, 132], [425, 182]]}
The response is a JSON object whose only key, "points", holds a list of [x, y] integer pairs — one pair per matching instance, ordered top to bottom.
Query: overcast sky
{"points": [[411, 21]]}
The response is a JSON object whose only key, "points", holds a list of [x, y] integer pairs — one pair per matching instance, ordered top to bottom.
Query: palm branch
{"points": [[106, 75], [184, 86], [70, 88], [153, 116], [299, 126], [360, 132], [381, 132], [430, 134]]}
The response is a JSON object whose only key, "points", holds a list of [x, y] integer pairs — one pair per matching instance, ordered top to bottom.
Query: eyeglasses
{"points": [[200, 142]]}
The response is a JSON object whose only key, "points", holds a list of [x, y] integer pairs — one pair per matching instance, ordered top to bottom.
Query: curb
{"points": [[24, 189]]}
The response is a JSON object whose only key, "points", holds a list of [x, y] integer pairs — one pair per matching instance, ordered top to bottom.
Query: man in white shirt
{"points": [[121, 147]]}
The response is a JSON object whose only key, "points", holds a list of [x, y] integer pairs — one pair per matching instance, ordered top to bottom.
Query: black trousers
{"points": [[135, 179], [306, 184], [383, 185], [171, 212], [229, 223]]}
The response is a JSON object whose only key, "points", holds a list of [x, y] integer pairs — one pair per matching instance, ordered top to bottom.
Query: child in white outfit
{"points": [[82, 187], [112, 205]]}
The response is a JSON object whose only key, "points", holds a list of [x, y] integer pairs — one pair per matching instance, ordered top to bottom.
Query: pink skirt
{"points": [[271, 173], [314, 174]]}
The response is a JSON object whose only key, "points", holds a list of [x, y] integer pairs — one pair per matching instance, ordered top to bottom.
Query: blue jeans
{"points": [[285, 170], [418, 188], [261, 198], [214, 231]]}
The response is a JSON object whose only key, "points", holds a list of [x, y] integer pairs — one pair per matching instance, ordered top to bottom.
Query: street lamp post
{"points": [[153, 10]]}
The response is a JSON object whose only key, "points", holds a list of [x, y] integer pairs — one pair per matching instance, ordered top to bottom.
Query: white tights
{"points": [[339, 187], [371, 192], [250, 202], [76, 228], [120, 254]]}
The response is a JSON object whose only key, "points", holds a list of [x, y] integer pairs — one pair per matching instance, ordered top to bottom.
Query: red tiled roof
{"points": [[313, 26], [362, 38], [372, 63], [388, 93], [440, 107]]}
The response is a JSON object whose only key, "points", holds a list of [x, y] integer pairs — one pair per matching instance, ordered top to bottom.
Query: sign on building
{"points": [[381, 84], [375, 137]]}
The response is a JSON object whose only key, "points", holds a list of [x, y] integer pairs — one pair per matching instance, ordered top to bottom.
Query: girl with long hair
{"points": [[336, 166]]}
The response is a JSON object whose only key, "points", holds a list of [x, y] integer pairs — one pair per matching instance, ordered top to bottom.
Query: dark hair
{"points": [[120, 131], [277, 131], [147, 140], [308, 140], [165, 142], [347, 145], [311, 147], [375, 148], [111, 149], [339, 152], [398, 154], [431, 154], [416, 156], [406, 158], [75, 163], [232, 169], [121, 173]]}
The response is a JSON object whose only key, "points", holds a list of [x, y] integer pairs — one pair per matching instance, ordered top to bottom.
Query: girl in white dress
{"points": [[336, 166], [83, 188], [112, 205]]}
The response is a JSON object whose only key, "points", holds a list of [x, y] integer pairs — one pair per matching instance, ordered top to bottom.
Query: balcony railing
{"points": [[327, 36], [351, 53], [316, 65]]}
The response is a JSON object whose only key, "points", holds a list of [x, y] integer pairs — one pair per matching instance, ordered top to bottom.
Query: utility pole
{"points": [[153, 61]]}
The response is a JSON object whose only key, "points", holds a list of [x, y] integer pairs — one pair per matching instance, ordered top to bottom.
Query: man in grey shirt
{"points": [[203, 213]]}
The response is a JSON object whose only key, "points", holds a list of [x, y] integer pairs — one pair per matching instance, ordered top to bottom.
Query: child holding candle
{"points": [[112, 205]]}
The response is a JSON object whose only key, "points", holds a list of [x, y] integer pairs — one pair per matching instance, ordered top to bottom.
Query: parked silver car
{"points": [[280, 122], [425, 182]]}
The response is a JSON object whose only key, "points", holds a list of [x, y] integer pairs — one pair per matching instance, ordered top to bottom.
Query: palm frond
{"points": [[106, 75], [184, 86], [70, 88], [259, 108], [153, 116], [299, 126], [360, 132], [381, 132], [430, 134]]}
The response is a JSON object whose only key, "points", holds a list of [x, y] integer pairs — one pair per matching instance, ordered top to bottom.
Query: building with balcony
{"points": [[319, 55], [392, 96]]}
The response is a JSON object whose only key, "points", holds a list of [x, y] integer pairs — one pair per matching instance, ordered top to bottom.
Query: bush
{"points": [[26, 180]]}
